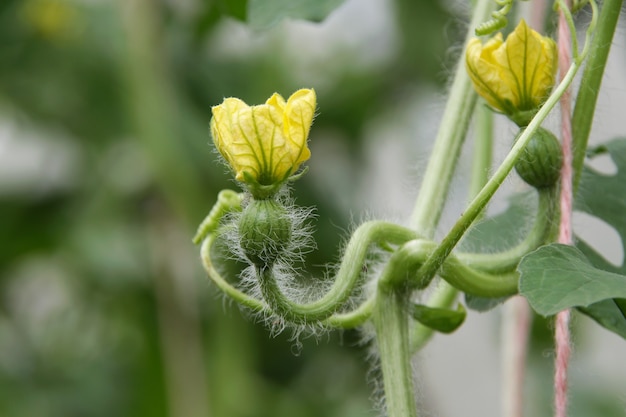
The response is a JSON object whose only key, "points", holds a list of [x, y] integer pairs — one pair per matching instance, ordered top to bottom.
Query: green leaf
{"points": [[263, 14], [603, 196], [506, 229], [503, 231], [557, 277], [483, 304], [611, 314], [439, 319]]}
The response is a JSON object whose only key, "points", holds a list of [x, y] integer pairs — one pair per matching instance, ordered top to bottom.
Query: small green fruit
{"points": [[540, 162], [265, 231]]}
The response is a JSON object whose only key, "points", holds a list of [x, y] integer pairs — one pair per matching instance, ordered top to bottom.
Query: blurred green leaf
{"points": [[234, 8], [263, 14], [602, 196], [504, 230], [556, 277], [482, 304], [610, 314], [440, 319]]}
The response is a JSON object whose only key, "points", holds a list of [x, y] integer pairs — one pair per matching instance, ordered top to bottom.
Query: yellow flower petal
{"points": [[525, 61], [484, 72], [514, 76], [298, 117], [264, 144]]}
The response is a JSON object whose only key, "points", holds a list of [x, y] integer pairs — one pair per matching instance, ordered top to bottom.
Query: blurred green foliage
{"points": [[104, 310]]}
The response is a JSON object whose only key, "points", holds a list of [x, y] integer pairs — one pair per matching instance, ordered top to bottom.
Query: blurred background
{"points": [[107, 167]]}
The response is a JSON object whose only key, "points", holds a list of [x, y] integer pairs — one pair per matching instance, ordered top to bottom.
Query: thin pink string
{"points": [[562, 332]]}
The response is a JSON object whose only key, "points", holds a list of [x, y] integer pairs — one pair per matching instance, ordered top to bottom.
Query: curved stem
{"points": [[227, 200], [375, 232], [542, 232], [502, 262], [402, 263], [463, 277], [239, 296], [353, 318], [344, 320]]}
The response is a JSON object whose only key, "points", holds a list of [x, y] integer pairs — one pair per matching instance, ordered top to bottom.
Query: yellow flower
{"points": [[515, 76], [264, 144]]}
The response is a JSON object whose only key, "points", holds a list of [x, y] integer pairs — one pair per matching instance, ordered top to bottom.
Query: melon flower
{"points": [[515, 76], [265, 144]]}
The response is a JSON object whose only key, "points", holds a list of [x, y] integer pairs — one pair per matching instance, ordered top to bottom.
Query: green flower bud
{"points": [[540, 162], [265, 231]]}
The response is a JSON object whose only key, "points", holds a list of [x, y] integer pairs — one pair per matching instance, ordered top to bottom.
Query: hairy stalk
{"points": [[587, 97], [452, 131], [543, 231], [375, 232], [445, 294], [239, 296], [392, 338]]}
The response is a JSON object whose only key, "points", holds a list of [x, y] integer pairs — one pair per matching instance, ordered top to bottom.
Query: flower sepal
{"points": [[523, 118], [263, 192]]}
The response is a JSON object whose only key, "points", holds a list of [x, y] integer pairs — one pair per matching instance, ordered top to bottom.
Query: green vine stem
{"points": [[587, 97], [447, 147], [483, 148], [227, 201], [543, 230], [369, 233], [408, 259], [430, 267], [351, 268], [472, 272], [445, 294], [239, 296], [352, 319], [348, 320], [392, 337]]}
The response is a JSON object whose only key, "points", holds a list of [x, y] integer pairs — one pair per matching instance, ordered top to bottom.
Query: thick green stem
{"points": [[590, 83], [452, 131], [483, 148], [392, 337]]}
